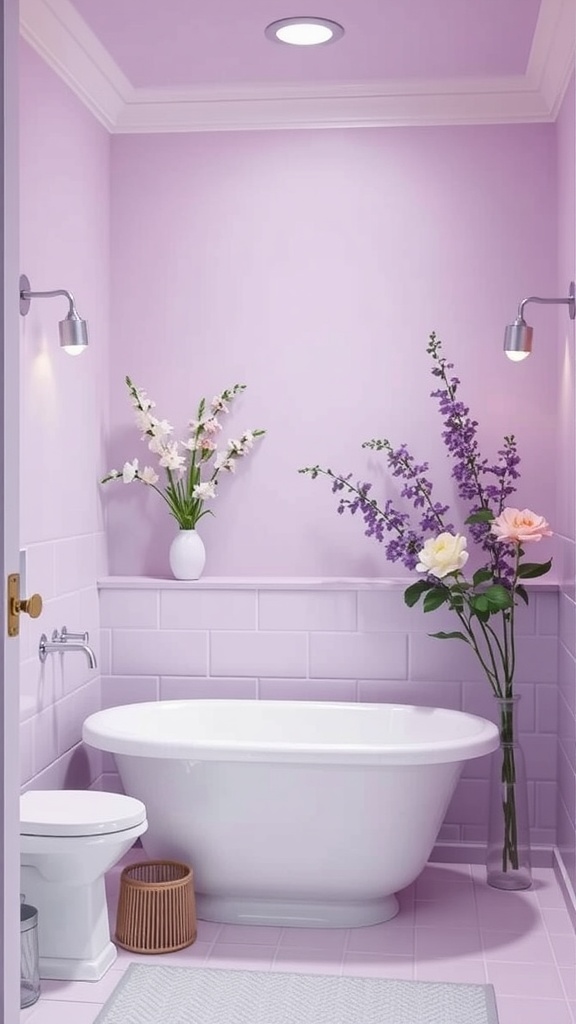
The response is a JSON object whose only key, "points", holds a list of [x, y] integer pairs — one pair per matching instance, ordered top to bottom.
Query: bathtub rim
{"points": [[98, 732]]}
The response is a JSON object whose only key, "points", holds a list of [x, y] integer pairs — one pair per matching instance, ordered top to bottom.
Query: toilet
{"points": [[69, 839]]}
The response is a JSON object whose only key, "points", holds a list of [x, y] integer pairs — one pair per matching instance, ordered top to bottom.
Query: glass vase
{"points": [[508, 858]]}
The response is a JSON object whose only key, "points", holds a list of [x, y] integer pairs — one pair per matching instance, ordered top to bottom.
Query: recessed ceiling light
{"points": [[304, 31]]}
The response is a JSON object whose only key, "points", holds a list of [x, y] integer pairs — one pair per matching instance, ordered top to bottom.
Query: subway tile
{"points": [[74, 563], [40, 570], [129, 609], [207, 609], [307, 610], [381, 612], [547, 614], [567, 623], [159, 652], [258, 654], [355, 655], [434, 660], [105, 663], [207, 687], [307, 689], [117, 690], [406, 691], [547, 709], [71, 713], [540, 753], [546, 793]]}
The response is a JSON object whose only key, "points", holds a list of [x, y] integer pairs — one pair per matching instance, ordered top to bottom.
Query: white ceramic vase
{"points": [[187, 555]]}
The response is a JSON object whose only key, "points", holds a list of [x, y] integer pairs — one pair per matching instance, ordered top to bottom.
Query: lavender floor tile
{"points": [[557, 921], [333, 939], [377, 939], [432, 943], [509, 947], [564, 949], [230, 954], [367, 966], [471, 971], [526, 980], [81, 991], [513, 1010], [54, 1011]]}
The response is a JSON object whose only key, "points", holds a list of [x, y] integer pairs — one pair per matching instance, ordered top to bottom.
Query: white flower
{"points": [[141, 399], [218, 405], [144, 421], [211, 426], [162, 429], [247, 440], [206, 444], [156, 445], [190, 445], [235, 447], [170, 458], [222, 461], [130, 471], [114, 473], [148, 475], [205, 490], [443, 554]]}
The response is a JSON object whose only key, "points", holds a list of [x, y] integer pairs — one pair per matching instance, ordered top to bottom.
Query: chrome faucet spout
{"points": [[62, 641]]}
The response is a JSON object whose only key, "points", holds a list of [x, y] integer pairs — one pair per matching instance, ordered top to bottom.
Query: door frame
{"points": [[9, 511]]}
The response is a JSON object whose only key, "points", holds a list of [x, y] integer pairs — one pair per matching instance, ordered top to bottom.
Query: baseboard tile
{"points": [[475, 853]]}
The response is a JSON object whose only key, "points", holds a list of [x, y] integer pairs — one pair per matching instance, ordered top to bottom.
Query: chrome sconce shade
{"points": [[73, 329], [518, 336]]}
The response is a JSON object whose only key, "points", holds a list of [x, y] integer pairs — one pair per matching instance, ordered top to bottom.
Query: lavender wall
{"points": [[64, 244], [313, 266], [567, 496]]}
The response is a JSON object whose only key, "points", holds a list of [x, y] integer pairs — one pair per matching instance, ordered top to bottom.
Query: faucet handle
{"points": [[66, 635]]}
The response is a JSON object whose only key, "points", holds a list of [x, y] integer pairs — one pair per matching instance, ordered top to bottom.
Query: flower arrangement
{"points": [[191, 477], [485, 604]]}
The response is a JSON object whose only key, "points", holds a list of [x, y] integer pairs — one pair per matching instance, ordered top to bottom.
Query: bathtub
{"points": [[292, 812]]}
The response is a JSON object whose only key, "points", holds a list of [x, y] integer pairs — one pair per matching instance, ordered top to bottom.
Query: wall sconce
{"points": [[73, 330], [518, 336]]}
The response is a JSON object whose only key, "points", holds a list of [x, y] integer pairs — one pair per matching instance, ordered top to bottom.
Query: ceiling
{"points": [[186, 65]]}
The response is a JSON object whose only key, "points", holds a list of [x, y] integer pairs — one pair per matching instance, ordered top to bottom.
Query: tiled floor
{"points": [[451, 927]]}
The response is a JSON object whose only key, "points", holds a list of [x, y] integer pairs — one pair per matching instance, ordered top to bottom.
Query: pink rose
{"points": [[517, 526]]}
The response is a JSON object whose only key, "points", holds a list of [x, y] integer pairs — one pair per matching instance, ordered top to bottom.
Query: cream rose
{"points": [[517, 526], [443, 554]]}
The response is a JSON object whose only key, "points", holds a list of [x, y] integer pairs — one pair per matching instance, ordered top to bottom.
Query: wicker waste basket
{"points": [[156, 907]]}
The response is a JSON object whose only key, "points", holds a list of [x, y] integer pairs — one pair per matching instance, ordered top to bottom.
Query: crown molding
{"points": [[55, 29], [58, 33]]}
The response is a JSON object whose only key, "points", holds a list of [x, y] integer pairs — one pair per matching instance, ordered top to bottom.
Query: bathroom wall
{"points": [[64, 244], [312, 265], [567, 487], [352, 641]]}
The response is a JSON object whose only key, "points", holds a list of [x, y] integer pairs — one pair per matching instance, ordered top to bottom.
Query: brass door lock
{"points": [[31, 606]]}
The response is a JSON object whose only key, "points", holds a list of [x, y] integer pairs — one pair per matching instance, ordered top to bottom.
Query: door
{"points": [[9, 411]]}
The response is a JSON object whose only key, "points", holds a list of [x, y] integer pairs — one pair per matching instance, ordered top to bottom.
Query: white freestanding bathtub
{"points": [[292, 812]]}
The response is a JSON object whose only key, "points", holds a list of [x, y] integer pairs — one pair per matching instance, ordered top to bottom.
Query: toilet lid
{"points": [[78, 812]]}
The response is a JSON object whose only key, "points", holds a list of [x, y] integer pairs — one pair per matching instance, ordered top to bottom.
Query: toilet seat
{"points": [[78, 812]]}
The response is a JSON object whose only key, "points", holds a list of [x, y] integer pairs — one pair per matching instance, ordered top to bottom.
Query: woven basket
{"points": [[156, 908]]}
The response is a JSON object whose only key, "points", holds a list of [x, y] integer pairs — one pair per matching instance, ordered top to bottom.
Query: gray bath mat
{"points": [[197, 995]]}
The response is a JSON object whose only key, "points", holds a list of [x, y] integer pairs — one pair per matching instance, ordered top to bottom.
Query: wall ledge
{"points": [[390, 584]]}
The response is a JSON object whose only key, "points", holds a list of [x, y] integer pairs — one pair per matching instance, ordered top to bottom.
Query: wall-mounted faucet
{"points": [[63, 641]]}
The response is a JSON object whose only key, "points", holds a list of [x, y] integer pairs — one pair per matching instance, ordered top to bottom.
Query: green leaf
{"points": [[483, 516], [530, 570], [481, 576], [522, 592], [413, 593], [498, 597], [434, 599], [479, 603], [456, 635]]}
